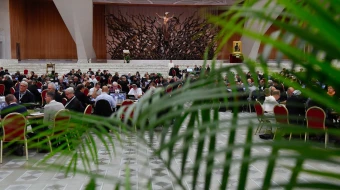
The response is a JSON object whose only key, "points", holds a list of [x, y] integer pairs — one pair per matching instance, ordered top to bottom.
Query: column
{"points": [[78, 17], [5, 30], [250, 47]]}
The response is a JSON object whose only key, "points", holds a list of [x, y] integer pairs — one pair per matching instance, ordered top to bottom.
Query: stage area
{"points": [[151, 66]]}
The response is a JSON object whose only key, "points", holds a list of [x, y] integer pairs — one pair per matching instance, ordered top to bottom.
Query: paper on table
{"points": [[36, 113]]}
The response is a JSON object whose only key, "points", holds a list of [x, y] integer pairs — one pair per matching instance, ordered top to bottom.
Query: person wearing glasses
{"points": [[24, 96]]}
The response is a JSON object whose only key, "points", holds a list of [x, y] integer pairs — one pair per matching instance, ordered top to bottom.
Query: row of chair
{"points": [[315, 118], [14, 128]]}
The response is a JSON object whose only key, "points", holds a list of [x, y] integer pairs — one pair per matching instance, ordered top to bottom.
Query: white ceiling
{"points": [[170, 2]]}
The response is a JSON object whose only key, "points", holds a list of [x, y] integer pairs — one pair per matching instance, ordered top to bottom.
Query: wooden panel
{"points": [[17, 10], [39, 28], [49, 37], [99, 38]]}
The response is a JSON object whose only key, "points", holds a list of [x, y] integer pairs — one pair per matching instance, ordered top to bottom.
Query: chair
{"points": [[50, 66], [25, 71], [173, 73], [98, 78], [39, 84], [17, 85], [119, 86], [2, 89], [168, 89], [12, 90], [86, 91], [43, 95], [64, 101], [125, 106], [103, 108], [88, 110], [260, 115], [281, 116], [316, 118], [60, 126], [14, 129]]}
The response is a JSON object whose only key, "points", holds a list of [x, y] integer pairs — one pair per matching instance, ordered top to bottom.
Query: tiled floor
{"points": [[132, 153]]}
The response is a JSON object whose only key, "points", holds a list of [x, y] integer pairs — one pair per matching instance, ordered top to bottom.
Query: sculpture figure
{"points": [[165, 25]]}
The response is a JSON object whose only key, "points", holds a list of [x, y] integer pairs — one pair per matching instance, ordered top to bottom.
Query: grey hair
{"points": [[8, 77], [24, 83], [51, 84], [115, 84], [70, 90]]}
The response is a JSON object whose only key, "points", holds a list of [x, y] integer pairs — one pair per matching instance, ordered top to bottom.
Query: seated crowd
{"points": [[80, 89], [73, 91]]}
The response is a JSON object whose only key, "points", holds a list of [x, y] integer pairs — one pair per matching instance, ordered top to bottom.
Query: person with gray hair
{"points": [[52, 88], [24, 96], [72, 101]]}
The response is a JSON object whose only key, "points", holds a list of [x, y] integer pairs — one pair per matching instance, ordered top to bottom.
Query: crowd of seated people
{"points": [[79, 88], [87, 88]]}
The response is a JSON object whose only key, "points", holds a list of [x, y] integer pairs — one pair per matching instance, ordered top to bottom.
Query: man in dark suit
{"points": [[33, 88], [52, 88], [79, 93], [23, 95], [72, 102], [295, 105], [13, 106]]}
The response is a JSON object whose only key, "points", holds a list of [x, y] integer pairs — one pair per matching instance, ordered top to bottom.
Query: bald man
{"points": [[105, 96]]}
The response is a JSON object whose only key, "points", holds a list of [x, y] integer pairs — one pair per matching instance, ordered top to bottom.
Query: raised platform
{"points": [[143, 66], [62, 67]]}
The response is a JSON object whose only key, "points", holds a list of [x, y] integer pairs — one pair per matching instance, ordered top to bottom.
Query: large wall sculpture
{"points": [[168, 36]]}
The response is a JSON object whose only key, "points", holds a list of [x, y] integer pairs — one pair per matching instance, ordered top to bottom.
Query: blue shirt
{"points": [[110, 99]]}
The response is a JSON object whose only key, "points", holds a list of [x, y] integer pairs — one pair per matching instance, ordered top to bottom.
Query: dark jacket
{"points": [[8, 85], [34, 90], [28, 97], [58, 97], [84, 100], [75, 105], [13, 108], [296, 109]]}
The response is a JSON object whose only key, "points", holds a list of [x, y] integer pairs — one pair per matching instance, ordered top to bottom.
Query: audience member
{"points": [[93, 80], [8, 84], [124, 84], [33, 88], [52, 88], [95, 91], [137, 92], [79, 93], [24, 96], [105, 96], [270, 100], [72, 101], [295, 105], [13, 106], [51, 108]]}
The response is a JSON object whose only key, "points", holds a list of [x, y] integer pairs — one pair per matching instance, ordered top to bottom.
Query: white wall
{"points": [[78, 17], [5, 32], [250, 47]]}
